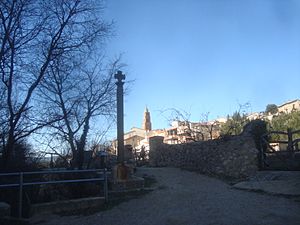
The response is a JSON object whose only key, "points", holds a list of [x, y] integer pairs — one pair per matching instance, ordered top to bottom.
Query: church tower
{"points": [[147, 120]]}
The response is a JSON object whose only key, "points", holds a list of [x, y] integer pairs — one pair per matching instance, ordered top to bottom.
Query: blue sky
{"points": [[205, 55]]}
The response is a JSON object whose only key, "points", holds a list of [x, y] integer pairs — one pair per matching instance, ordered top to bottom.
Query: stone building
{"points": [[289, 107], [255, 116], [185, 131], [179, 132], [139, 137]]}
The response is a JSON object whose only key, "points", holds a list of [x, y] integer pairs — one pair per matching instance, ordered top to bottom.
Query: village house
{"points": [[289, 107], [186, 131], [179, 132], [139, 137]]}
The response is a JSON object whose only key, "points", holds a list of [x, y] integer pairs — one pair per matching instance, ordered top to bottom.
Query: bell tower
{"points": [[147, 121]]}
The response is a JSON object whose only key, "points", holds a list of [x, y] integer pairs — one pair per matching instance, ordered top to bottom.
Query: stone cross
{"points": [[120, 115]]}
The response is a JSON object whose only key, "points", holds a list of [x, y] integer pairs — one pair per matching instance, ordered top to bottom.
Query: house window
{"points": [[172, 132]]}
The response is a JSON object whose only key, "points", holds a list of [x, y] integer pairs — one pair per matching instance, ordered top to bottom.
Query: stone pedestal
{"points": [[121, 172], [124, 180]]}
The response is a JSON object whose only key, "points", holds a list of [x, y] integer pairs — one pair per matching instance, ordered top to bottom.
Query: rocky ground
{"points": [[187, 198]]}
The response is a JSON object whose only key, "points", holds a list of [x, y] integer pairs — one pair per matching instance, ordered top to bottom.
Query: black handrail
{"points": [[21, 184]]}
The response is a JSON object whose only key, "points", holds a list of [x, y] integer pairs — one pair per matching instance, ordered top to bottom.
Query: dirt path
{"points": [[187, 198]]}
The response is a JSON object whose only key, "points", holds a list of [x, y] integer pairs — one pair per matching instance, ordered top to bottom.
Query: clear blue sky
{"points": [[206, 55]]}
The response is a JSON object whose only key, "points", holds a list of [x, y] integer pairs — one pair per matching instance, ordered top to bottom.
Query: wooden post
{"points": [[290, 140], [290, 147], [261, 161], [105, 185], [20, 195]]}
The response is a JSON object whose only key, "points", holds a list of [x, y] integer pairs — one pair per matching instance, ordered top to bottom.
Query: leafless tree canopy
{"points": [[42, 41], [77, 94], [201, 130]]}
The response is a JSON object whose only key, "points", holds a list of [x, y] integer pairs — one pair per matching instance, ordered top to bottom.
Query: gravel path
{"points": [[187, 198]]}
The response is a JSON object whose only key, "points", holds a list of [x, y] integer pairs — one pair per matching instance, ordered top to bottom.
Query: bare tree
{"points": [[33, 35], [78, 94], [212, 128], [187, 130], [200, 130]]}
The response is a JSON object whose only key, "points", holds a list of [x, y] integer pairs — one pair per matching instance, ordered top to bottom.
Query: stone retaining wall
{"points": [[233, 156]]}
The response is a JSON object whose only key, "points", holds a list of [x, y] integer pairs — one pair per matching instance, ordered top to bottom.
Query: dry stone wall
{"points": [[233, 157]]}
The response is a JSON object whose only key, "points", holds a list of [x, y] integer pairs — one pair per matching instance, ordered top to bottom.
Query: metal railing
{"points": [[101, 172]]}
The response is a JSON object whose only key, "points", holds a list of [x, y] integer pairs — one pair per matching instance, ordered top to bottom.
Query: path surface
{"points": [[187, 198]]}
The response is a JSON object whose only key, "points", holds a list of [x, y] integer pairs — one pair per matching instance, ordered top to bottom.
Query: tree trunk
{"points": [[81, 143], [8, 149]]}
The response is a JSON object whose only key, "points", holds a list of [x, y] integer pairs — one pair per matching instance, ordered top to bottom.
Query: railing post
{"points": [[290, 147], [261, 154], [105, 186], [20, 195]]}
